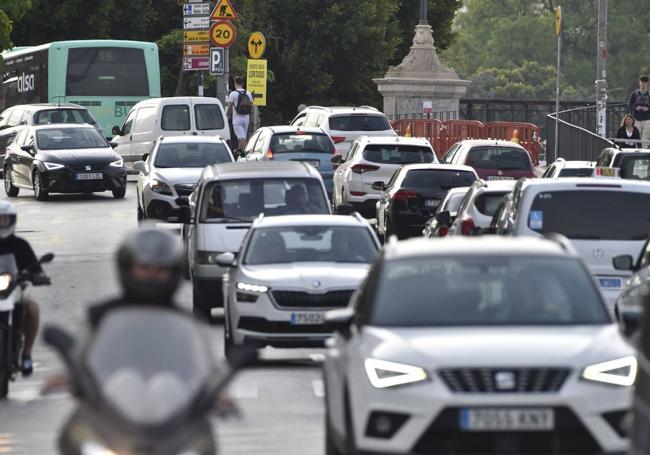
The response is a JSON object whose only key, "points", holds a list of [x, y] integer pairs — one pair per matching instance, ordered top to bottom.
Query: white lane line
{"points": [[318, 388]]}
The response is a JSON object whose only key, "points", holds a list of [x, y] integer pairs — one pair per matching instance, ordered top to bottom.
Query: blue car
{"points": [[293, 143]]}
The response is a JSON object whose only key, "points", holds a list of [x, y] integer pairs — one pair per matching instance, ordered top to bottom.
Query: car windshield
{"points": [[63, 116], [359, 122], [69, 138], [301, 142], [397, 154], [191, 155], [498, 158], [638, 168], [577, 172], [438, 179], [245, 199], [452, 202], [488, 203], [591, 215], [310, 244], [465, 290]]}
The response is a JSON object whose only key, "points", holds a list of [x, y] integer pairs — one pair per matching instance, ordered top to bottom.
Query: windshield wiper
{"points": [[227, 219], [584, 236]]}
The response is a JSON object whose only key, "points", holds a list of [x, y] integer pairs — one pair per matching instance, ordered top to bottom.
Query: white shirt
{"points": [[238, 118]]}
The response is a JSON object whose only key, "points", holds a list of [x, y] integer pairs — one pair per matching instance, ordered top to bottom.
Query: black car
{"points": [[63, 159], [413, 195]]}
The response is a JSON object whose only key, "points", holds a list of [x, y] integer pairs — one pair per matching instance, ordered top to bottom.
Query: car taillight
{"points": [[337, 139], [269, 154], [361, 168], [404, 195], [467, 226], [443, 231]]}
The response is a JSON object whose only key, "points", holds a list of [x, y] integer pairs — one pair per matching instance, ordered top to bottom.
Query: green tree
{"points": [[10, 11]]}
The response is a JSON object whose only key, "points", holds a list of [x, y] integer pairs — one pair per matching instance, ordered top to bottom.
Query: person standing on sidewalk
{"points": [[240, 105], [639, 108]]}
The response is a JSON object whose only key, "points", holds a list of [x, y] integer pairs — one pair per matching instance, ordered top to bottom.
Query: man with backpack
{"points": [[240, 105]]}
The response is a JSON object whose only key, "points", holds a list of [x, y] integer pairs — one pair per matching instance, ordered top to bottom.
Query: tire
{"points": [[10, 189], [39, 193], [119, 193], [141, 217], [387, 233], [198, 307], [228, 344], [5, 355], [330, 444], [350, 444]]}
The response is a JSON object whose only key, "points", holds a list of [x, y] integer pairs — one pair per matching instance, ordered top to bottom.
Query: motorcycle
{"points": [[12, 312], [145, 382]]}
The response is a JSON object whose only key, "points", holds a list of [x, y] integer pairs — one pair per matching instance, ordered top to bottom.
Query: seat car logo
{"points": [[25, 83], [88, 168], [598, 253], [316, 284], [504, 380]]}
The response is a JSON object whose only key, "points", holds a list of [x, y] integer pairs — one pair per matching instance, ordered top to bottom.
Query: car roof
{"points": [[46, 106], [51, 126], [293, 129], [190, 139], [393, 140], [493, 142], [573, 164], [439, 166], [260, 169], [603, 183], [496, 185], [310, 220], [487, 245]]}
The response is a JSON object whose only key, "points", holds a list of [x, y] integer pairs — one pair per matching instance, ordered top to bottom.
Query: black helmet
{"points": [[150, 247]]}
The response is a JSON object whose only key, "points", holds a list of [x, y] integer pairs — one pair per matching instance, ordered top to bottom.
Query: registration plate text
{"points": [[90, 176], [307, 318], [486, 419]]}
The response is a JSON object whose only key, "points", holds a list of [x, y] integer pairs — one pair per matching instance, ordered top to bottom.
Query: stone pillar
{"points": [[421, 77]]}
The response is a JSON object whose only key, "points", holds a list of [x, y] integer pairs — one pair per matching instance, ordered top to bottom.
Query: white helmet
{"points": [[7, 219]]}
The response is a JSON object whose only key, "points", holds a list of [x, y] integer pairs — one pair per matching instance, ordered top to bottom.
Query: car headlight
{"points": [[118, 163], [52, 166], [160, 187], [5, 281], [260, 288], [617, 372], [383, 374], [93, 448]]}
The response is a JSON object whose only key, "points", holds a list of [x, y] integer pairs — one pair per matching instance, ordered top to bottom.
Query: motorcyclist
{"points": [[11, 244]]}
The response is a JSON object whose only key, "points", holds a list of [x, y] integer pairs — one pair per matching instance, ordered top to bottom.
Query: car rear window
{"points": [[77, 116], [208, 117], [176, 118], [359, 122], [301, 142], [398, 154], [177, 155], [498, 158], [633, 167], [577, 172], [435, 179], [488, 203], [591, 215]]}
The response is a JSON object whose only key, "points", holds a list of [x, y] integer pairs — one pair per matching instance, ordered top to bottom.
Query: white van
{"points": [[175, 116]]}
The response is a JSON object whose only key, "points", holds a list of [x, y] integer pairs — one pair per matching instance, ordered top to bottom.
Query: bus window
{"points": [[175, 118]]}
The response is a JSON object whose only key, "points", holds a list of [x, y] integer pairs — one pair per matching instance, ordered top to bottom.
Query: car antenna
{"points": [[58, 98]]}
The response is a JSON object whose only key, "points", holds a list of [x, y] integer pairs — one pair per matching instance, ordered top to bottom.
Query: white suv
{"points": [[345, 124], [374, 159]]}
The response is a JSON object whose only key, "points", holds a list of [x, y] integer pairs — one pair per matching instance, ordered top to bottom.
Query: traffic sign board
{"points": [[197, 9], [223, 11], [198, 22], [223, 33], [198, 36], [256, 45], [201, 49], [217, 59], [196, 63], [256, 81]]}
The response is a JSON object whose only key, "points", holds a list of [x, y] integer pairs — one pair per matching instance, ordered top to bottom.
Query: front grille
{"points": [[84, 167], [184, 190], [300, 299], [264, 326], [504, 380], [445, 437]]}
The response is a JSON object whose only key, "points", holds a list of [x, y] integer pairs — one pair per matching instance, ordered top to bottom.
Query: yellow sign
{"points": [[223, 11], [558, 20], [222, 34], [199, 36], [256, 45], [196, 49], [256, 81]]}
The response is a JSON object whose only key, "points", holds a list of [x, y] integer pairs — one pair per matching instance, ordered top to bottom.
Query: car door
{"points": [[175, 118], [209, 119], [143, 132], [124, 139], [259, 149], [12, 158], [22, 165], [341, 174], [383, 202]]}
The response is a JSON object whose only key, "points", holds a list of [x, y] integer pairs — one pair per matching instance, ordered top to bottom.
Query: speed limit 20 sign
{"points": [[223, 34]]}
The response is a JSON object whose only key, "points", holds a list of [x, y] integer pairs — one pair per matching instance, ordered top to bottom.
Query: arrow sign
{"points": [[197, 9], [201, 22]]}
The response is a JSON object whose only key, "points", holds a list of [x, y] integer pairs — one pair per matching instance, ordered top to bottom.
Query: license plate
{"points": [[90, 176], [499, 177], [431, 203], [610, 283], [307, 318], [507, 419]]}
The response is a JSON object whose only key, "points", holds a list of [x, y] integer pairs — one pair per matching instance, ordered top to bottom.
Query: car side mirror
{"points": [[117, 131], [113, 144], [27, 148], [145, 157], [337, 159], [140, 166], [379, 186], [443, 218], [226, 260], [623, 262], [341, 320], [629, 320]]}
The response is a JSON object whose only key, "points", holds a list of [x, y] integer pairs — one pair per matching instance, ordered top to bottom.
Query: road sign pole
{"points": [[558, 30], [601, 64], [200, 90]]}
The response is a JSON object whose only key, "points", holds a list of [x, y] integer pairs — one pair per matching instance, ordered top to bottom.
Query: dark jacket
{"points": [[639, 99], [622, 134], [97, 313]]}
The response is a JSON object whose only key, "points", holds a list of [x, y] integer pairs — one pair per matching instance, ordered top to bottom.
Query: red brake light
{"points": [[337, 139], [269, 154], [362, 168], [404, 195], [467, 226], [443, 231]]}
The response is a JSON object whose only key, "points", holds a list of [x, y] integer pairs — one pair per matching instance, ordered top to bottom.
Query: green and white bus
{"points": [[107, 77]]}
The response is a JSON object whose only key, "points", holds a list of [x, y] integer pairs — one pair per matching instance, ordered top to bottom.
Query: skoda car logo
{"points": [[88, 168], [598, 253], [316, 284], [504, 380]]}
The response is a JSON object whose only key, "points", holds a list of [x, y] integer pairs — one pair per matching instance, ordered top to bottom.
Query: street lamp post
{"points": [[423, 12]]}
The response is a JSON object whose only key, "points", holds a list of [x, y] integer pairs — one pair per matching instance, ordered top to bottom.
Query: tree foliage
{"points": [[10, 11]]}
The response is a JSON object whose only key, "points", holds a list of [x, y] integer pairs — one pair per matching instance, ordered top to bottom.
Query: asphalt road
{"points": [[280, 401]]}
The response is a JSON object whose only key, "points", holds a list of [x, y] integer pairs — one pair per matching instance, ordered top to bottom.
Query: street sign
{"points": [[197, 9], [223, 11], [558, 20], [194, 23], [223, 34], [198, 36], [256, 45], [201, 49], [217, 59], [196, 63], [256, 81]]}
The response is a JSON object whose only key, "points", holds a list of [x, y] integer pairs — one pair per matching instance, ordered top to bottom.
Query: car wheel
{"points": [[10, 189], [39, 193], [119, 193], [140, 215], [387, 232], [198, 307], [228, 344], [5, 373], [330, 444], [350, 444]]}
